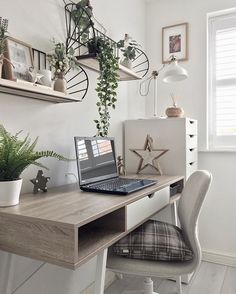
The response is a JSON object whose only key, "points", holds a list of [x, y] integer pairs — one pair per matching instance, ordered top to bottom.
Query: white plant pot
{"points": [[127, 63], [10, 192]]}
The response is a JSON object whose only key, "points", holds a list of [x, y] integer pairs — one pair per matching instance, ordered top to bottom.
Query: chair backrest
{"points": [[189, 208]]}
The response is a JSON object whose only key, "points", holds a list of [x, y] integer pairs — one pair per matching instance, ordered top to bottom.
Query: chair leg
{"points": [[179, 285], [148, 286]]}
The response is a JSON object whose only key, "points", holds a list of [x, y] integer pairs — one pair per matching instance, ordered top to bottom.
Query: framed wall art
{"points": [[175, 42], [20, 59]]}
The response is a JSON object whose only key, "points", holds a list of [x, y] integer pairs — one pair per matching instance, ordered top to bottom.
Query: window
{"points": [[222, 81]]}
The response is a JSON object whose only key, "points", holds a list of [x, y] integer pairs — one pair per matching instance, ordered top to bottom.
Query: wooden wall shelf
{"points": [[90, 61], [33, 91]]}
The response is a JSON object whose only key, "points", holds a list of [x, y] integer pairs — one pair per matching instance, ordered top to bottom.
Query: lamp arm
{"points": [[153, 76]]}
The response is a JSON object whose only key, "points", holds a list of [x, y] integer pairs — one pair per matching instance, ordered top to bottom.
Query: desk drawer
{"points": [[142, 209]]}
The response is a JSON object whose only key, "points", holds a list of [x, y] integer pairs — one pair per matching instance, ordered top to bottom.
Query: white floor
{"points": [[210, 279]]}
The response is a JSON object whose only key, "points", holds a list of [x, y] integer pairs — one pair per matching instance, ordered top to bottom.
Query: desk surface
{"points": [[48, 226]]}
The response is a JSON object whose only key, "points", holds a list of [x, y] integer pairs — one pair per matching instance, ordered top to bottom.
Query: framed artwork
{"points": [[175, 42], [20, 59]]}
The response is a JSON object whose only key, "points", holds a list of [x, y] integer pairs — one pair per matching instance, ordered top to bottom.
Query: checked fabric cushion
{"points": [[154, 240]]}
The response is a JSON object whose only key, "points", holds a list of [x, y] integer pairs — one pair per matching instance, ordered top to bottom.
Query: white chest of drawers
{"points": [[179, 135]]}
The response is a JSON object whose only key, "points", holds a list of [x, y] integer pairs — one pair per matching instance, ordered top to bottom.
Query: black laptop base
{"points": [[134, 186]]}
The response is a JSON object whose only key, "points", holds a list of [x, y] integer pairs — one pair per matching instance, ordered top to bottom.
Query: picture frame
{"points": [[175, 42], [20, 59]]}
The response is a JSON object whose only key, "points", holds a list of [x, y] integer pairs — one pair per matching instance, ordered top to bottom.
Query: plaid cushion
{"points": [[155, 240]]}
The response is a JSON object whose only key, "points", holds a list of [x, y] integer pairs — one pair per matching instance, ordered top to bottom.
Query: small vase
{"points": [[60, 83], [174, 111]]}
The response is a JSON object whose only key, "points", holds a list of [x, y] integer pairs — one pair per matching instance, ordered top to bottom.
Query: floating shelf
{"points": [[90, 61], [34, 91]]}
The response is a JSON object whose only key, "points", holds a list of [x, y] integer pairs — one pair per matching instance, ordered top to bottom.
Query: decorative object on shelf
{"points": [[81, 15], [3, 36], [175, 42], [129, 48], [87, 55], [21, 57], [40, 59], [61, 62], [173, 72], [33, 76], [46, 79], [106, 86], [174, 111], [15, 156], [148, 156], [121, 166], [40, 182]]}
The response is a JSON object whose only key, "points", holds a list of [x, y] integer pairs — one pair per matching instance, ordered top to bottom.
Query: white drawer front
{"points": [[191, 127], [191, 141], [191, 155], [191, 167], [145, 207]]}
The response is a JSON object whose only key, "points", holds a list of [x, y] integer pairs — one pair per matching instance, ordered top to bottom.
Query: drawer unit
{"points": [[191, 126], [142, 209]]}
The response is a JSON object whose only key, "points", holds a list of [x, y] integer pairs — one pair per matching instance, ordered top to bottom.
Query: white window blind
{"points": [[222, 81]]}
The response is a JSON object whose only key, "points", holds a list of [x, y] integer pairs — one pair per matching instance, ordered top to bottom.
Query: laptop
{"points": [[97, 168]]}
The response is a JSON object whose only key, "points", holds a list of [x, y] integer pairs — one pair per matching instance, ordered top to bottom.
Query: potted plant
{"points": [[82, 18], [129, 48], [61, 60], [107, 84], [15, 156]]}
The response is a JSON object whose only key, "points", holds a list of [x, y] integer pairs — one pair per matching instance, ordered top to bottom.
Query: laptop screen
{"points": [[96, 159]]}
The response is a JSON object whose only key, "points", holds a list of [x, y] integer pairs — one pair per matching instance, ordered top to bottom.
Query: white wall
{"points": [[37, 22], [217, 222]]}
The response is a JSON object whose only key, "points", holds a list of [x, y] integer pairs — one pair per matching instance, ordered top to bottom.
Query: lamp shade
{"points": [[174, 73]]}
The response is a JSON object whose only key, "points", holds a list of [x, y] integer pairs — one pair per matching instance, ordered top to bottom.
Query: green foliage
{"points": [[82, 18], [3, 32], [130, 50], [61, 60], [106, 86], [16, 155]]}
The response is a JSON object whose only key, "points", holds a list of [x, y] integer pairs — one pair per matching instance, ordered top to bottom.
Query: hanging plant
{"points": [[82, 17], [129, 48], [107, 84]]}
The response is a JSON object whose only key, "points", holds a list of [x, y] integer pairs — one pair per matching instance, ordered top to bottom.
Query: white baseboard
{"points": [[219, 257], [110, 278]]}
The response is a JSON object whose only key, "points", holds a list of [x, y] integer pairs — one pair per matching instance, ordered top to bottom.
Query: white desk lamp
{"points": [[173, 73]]}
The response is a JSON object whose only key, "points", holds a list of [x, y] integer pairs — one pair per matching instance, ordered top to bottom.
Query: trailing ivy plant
{"points": [[107, 84], [17, 154]]}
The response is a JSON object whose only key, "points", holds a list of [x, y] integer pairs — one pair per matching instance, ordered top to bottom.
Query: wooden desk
{"points": [[67, 227]]}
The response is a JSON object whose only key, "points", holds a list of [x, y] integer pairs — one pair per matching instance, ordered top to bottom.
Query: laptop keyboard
{"points": [[113, 184]]}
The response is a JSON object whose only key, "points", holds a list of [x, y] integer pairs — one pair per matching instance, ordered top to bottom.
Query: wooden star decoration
{"points": [[149, 156], [40, 182]]}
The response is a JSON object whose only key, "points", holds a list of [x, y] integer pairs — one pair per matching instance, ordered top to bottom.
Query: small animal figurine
{"points": [[121, 166], [40, 182]]}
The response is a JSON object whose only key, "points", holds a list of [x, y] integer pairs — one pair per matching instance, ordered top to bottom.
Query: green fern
{"points": [[16, 155]]}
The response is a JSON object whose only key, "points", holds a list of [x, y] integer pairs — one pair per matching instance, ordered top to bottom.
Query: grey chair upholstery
{"points": [[189, 208]]}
